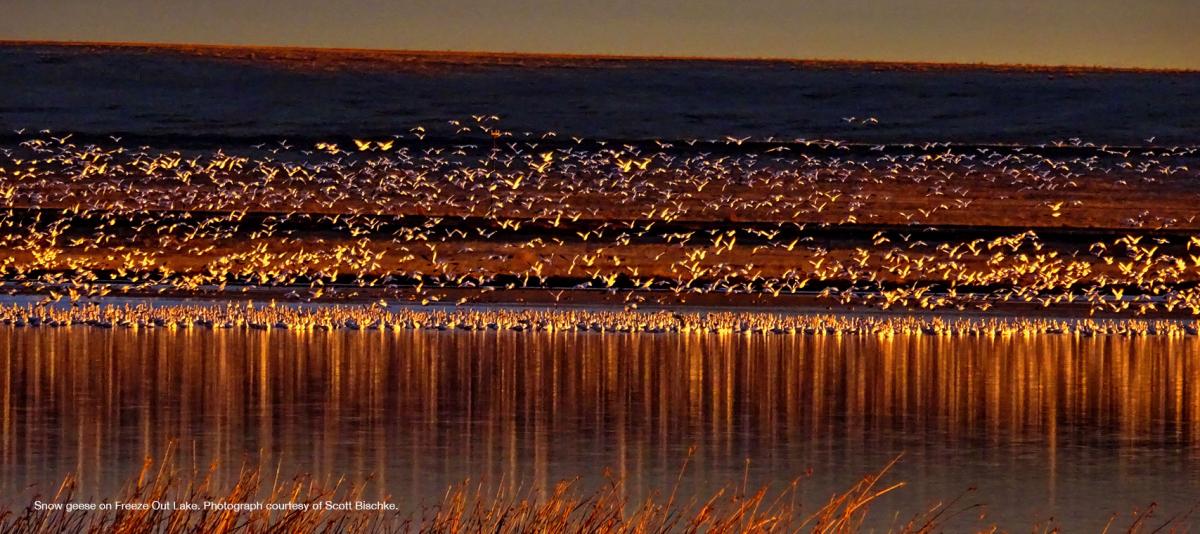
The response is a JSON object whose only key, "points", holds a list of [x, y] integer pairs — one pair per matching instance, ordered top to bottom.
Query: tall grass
{"points": [[472, 508]]}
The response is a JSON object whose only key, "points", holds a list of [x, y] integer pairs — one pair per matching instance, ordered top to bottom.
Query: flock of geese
{"points": [[421, 219], [248, 316]]}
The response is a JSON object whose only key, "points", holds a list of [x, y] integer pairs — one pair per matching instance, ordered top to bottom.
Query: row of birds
{"points": [[84, 220], [391, 318]]}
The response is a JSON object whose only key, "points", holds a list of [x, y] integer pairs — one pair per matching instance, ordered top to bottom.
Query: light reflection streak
{"points": [[421, 409]]}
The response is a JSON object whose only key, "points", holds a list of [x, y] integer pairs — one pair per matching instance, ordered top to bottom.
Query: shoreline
{"points": [[375, 58]]}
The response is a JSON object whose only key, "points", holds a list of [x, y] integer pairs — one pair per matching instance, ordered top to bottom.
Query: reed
{"points": [[465, 507], [474, 507]]}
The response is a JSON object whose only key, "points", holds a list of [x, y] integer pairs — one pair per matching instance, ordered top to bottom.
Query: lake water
{"points": [[1061, 427]]}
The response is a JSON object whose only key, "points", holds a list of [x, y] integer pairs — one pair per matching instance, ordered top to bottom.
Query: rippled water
{"points": [[1043, 426]]}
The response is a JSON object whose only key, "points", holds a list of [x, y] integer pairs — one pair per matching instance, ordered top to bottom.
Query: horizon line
{"points": [[561, 56]]}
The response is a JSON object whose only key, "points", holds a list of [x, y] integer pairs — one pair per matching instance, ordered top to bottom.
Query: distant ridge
{"points": [[382, 59]]}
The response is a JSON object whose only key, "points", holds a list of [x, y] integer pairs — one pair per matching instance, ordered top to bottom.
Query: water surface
{"points": [[1049, 426]]}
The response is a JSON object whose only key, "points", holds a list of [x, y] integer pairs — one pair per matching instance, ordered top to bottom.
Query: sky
{"points": [[1117, 33]]}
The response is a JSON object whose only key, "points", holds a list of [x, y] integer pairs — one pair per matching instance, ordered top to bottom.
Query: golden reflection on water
{"points": [[421, 409]]}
